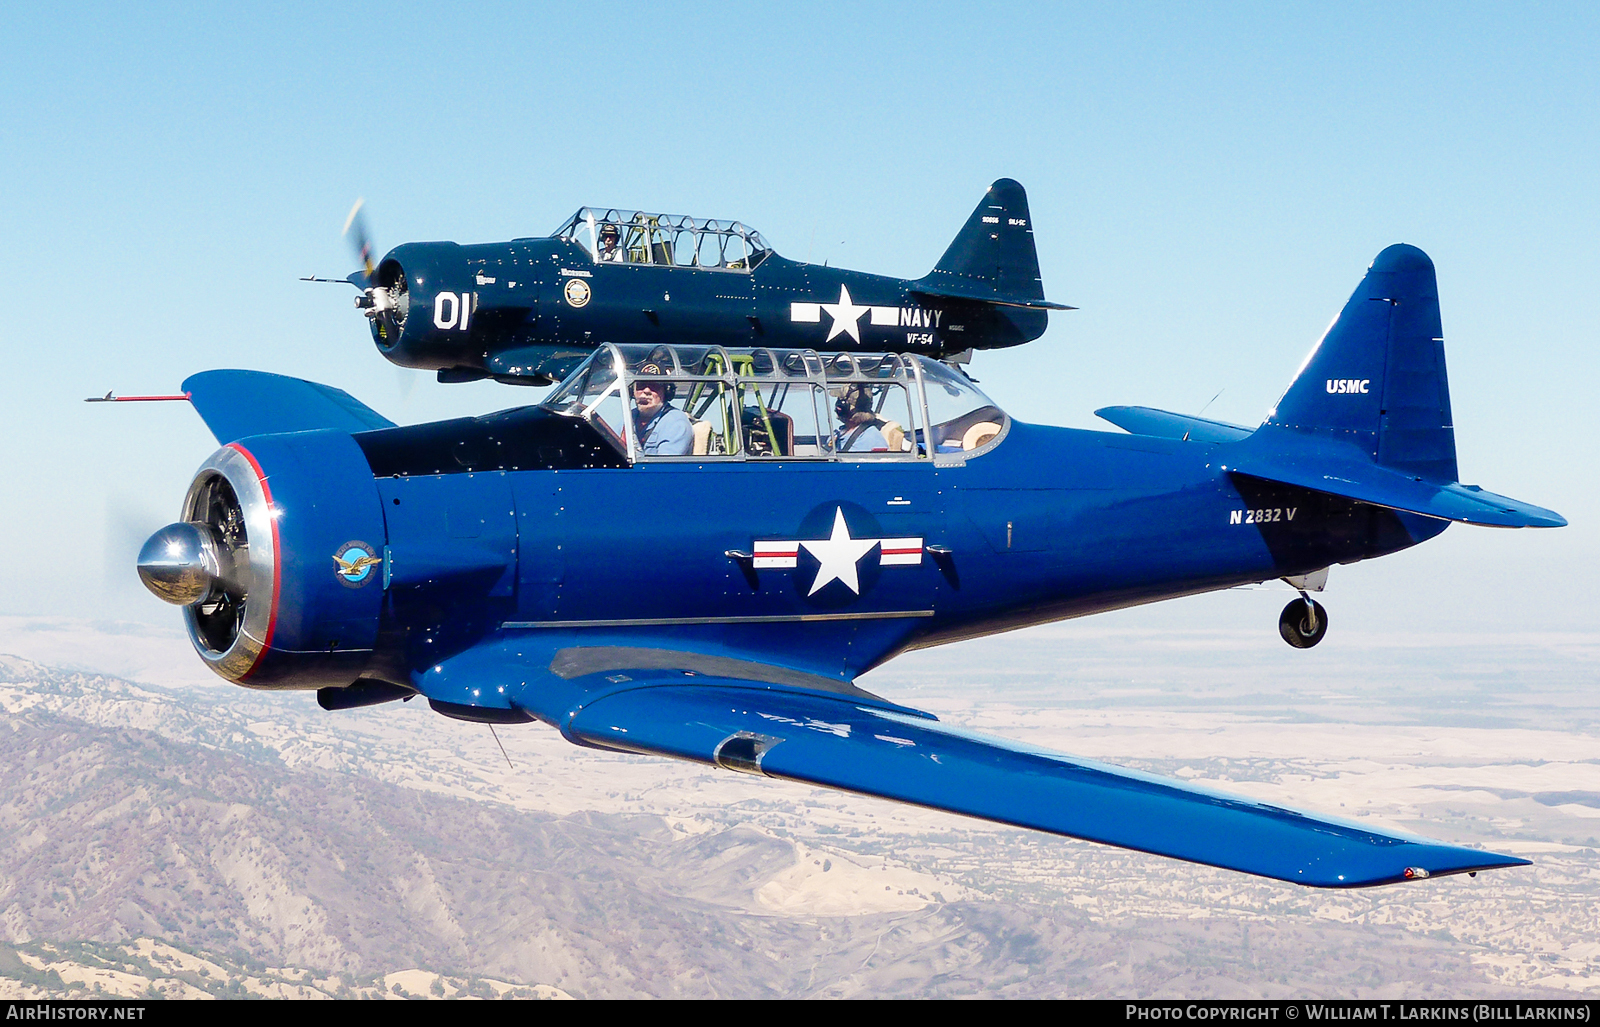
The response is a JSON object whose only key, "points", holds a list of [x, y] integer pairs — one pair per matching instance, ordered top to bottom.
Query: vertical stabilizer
{"points": [[993, 256], [1377, 378]]}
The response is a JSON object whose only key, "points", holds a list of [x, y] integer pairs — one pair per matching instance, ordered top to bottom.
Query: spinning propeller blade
{"points": [[355, 227], [378, 303]]}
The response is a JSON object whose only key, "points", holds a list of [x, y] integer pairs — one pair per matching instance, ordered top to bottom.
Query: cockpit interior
{"points": [[670, 240], [766, 404]]}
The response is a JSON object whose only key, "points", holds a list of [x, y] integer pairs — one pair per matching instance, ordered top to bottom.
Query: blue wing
{"points": [[239, 404], [837, 736]]}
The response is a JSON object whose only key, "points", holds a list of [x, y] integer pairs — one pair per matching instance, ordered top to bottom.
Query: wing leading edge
{"points": [[836, 742]]}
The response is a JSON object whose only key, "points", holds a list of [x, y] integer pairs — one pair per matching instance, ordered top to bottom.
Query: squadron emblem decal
{"points": [[576, 291], [839, 555], [355, 562]]}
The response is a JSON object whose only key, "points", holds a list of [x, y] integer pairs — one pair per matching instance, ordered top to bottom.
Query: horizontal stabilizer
{"points": [[985, 296], [239, 404], [1165, 425], [1365, 482], [834, 742]]}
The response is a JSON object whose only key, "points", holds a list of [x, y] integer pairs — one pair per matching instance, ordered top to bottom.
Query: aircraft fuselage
{"points": [[538, 307], [1049, 523]]}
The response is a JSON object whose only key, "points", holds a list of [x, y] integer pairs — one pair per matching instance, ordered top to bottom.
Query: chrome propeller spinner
{"points": [[183, 563], [206, 563]]}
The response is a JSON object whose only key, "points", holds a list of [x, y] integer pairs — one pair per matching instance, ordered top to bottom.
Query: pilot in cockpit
{"points": [[609, 249], [859, 426], [663, 430]]}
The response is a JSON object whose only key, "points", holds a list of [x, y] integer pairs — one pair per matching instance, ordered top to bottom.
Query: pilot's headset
{"points": [[609, 231], [650, 370], [853, 399]]}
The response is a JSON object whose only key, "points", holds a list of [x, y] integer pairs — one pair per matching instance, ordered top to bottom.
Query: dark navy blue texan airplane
{"points": [[530, 310], [537, 564]]}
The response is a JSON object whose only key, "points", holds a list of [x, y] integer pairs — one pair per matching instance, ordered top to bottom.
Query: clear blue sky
{"points": [[1208, 183]]}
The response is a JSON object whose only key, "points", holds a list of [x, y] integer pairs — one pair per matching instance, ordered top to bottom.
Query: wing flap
{"points": [[239, 404], [835, 743]]}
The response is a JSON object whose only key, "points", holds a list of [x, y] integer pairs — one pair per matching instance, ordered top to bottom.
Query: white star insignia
{"points": [[846, 316], [839, 554]]}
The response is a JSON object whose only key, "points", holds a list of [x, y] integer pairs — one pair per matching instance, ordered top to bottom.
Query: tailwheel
{"points": [[1303, 622]]}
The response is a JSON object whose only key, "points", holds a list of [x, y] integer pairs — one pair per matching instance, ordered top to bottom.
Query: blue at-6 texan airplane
{"points": [[530, 310], [824, 513]]}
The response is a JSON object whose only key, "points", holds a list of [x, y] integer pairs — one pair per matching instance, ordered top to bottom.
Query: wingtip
{"points": [[1422, 859], [1475, 860], [1506, 861]]}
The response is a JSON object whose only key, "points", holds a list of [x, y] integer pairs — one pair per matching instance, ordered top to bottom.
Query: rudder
{"points": [[1377, 377]]}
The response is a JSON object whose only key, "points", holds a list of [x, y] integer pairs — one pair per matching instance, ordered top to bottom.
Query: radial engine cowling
{"points": [[424, 306], [277, 561]]}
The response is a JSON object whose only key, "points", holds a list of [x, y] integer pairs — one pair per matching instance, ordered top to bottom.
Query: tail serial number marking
{"points": [[1279, 513]]}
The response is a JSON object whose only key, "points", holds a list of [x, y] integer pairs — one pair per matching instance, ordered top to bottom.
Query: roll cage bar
{"points": [[673, 240], [701, 380]]}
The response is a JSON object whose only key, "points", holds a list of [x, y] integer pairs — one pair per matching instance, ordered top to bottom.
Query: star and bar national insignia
{"points": [[839, 555]]}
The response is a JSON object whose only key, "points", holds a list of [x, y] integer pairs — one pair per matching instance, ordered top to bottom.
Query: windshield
{"points": [[594, 392], [963, 418]]}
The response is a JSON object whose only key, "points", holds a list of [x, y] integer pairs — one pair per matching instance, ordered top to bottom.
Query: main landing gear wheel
{"points": [[1303, 622]]}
